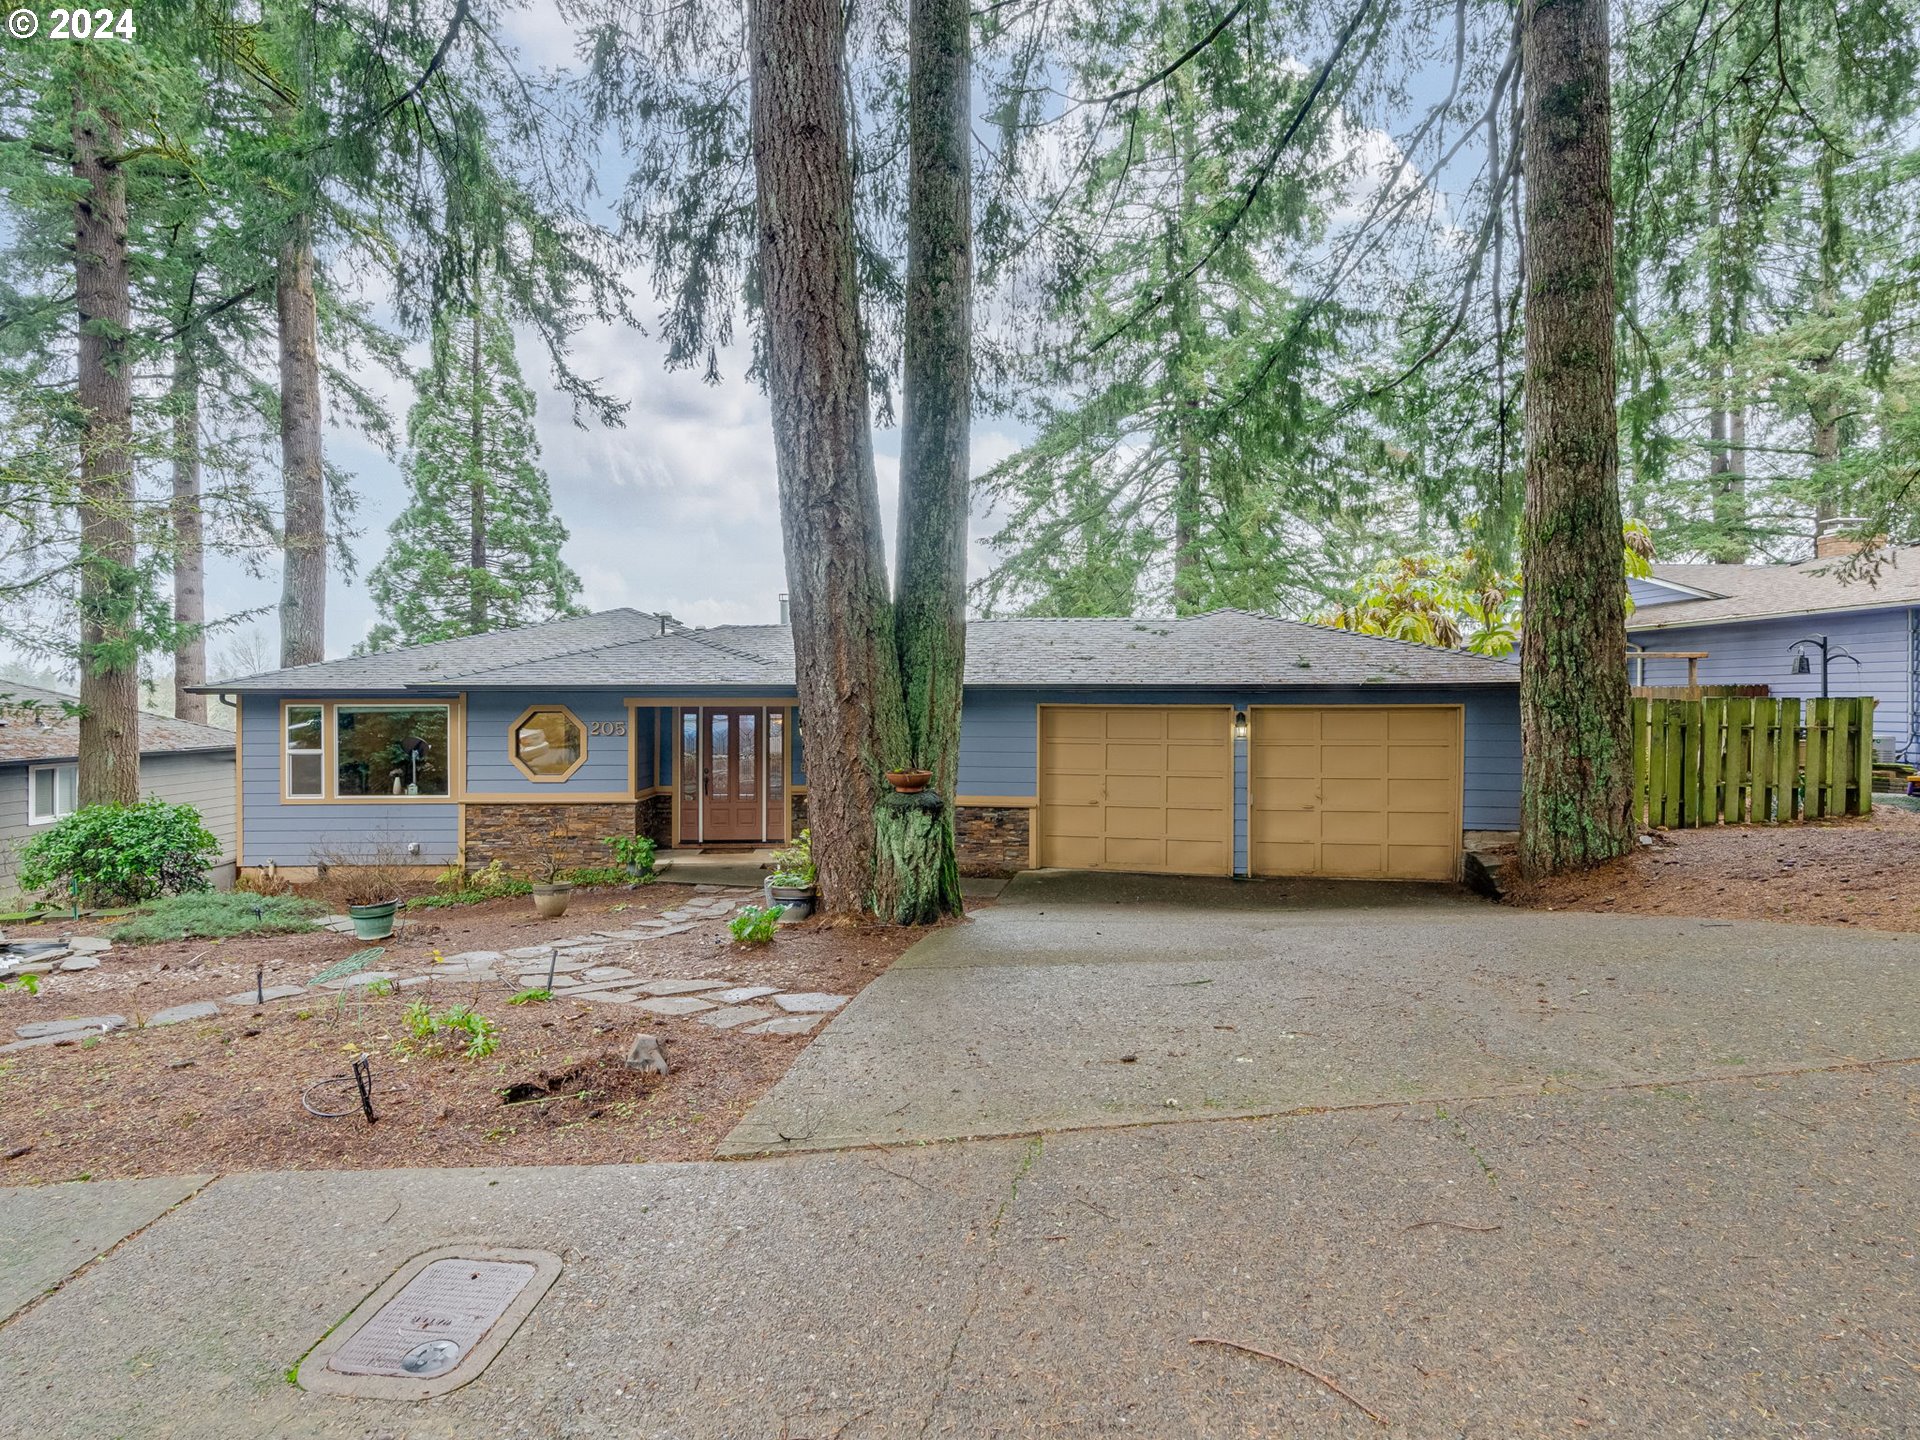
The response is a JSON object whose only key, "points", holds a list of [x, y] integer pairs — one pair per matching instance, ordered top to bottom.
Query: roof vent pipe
{"points": [[785, 611]]}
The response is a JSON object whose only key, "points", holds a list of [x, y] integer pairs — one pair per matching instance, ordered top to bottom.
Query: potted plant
{"points": [[909, 782], [635, 852], [791, 886], [551, 894], [371, 903]]}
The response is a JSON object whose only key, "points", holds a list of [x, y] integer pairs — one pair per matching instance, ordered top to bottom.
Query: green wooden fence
{"points": [[1745, 761]]}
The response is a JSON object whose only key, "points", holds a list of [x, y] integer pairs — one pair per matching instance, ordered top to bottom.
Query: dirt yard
{"points": [[1863, 872], [224, 1093]]}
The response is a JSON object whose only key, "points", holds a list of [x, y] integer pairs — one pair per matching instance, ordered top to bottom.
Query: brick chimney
{"points": [[1831, 542]]}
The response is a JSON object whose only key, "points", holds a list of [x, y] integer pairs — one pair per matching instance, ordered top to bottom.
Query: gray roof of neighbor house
{"points": [[1756, 592], [1218, 649], [38, 725]]}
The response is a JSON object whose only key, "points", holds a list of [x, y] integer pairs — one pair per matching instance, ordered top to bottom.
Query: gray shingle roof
{"points": [[1753, 592], [1221, 649], [429, 664], [35, 725]]}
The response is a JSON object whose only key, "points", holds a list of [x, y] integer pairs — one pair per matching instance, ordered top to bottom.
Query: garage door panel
{"points": [[1136, 722], [1210, 726], [1440, 727], [1133, 759], [1420, 762], [1155, 788], [1072, 789], [1356, 791], [1195, 857], [1421, 862]]}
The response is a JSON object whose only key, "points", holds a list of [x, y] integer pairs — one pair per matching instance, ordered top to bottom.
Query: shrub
{"points": [[633, 851], [121, 854], [793, 865], [598, 875], [455, 887], [213, 915], [755, 924], [429, 1032]]}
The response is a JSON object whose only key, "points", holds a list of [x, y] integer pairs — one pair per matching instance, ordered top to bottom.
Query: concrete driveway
{"points": [[1082, 1001], [1518, 1175]]}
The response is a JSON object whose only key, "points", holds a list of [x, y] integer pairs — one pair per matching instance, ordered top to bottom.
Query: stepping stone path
{"points": [[718, 1003]]}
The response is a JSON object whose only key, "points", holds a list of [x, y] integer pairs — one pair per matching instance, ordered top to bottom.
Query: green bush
{"points": [[633, 851], [121, 854], [793, 866], [599, 875], [455, 887], [216, 915], [755, 924]]}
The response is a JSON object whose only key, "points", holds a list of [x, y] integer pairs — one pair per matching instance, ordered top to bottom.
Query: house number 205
{"points": [[606, 727]]}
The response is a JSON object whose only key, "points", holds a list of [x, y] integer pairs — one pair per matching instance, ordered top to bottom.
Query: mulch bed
{"points": [[1863, 872], [224, 1095]]}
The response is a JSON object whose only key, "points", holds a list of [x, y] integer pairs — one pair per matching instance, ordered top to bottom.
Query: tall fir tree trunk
{"points": [[1186, 384], [935, 468], [477, 486], [1829, 500], [189, 549], [303, 576], [846, 665], [109, 758], [1577, 772]]}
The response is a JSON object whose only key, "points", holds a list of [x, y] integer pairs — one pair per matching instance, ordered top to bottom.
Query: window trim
{"points": [[513, 743], [287, 752], [330, 779], [33, 816]]}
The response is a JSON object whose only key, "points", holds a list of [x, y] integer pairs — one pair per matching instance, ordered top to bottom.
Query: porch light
{"points": [[1802, 665], [1240, 725]]}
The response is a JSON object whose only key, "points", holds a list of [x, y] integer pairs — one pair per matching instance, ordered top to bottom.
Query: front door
{"points": [[733, 774]]}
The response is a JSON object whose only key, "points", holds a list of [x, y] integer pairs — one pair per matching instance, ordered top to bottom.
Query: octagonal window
{"points": [[549, 742]]}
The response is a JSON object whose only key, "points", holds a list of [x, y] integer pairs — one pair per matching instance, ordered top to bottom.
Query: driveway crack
{"points": [[1028, 1159]]}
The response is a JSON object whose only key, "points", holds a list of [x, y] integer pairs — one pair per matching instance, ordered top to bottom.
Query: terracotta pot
{"points": [[909, 782], [552, 900]]}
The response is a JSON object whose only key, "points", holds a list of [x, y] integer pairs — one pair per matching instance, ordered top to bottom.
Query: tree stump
{"points": [[911, 831]]}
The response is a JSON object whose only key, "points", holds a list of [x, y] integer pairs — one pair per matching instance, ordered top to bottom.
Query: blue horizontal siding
{"points": [[1649, 593], [1756, 652], [999, 740], [490, 767], [283, 834]]}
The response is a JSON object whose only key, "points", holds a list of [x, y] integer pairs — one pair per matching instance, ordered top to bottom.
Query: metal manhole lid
{"points": [[433, 1326]]}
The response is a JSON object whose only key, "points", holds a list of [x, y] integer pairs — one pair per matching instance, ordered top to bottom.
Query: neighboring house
{"points": [[1747, 618], [1226, 743], [180, 761]]}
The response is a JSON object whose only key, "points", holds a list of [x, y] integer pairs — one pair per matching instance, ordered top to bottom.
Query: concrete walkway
{"points": [[1081, 1001], [1652, 1240]]}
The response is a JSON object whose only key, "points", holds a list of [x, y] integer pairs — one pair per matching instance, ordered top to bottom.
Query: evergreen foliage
{"points": [[477, 547]]}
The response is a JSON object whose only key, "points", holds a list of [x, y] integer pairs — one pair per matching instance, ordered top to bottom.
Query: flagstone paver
{"points": [[609, 972], [365, 977], [681, 987], [271, 993], [741, 994], [809, 1003], [673, 1005], [192, 1010], [732, 1015], [70, 1025], [788, 1025]]}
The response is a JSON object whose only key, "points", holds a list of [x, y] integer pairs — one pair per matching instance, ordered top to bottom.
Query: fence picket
{"points": [[1764, 725], [1713, 746], [1739, 758], [1742, 760], [1814, 787]]}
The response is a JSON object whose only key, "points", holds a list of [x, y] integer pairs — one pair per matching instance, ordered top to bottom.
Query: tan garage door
{"points": [[1137, 787], [1355, 790]]}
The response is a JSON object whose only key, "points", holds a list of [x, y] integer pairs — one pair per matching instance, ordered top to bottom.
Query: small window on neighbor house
{"points": [[549, 743], [306, 761], [53, 791]]}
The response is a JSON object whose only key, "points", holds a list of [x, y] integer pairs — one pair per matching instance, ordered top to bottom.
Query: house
{"points": [[1747, 620], [1221, 744], [180, 762]]}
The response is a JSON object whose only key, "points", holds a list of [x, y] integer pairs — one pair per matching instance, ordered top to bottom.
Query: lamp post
{"points": [[1829, 652]]}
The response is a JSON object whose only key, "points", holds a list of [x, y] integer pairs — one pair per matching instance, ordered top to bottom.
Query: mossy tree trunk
{"points": [[189, 543], [303, 576], [846, 667], [109, 748], [1577, 772], [919, 878]]}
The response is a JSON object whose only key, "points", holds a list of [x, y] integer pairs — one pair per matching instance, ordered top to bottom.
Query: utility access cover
{"points": [[432, 1327]]}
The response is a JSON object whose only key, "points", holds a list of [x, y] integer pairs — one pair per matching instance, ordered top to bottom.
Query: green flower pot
{"points": [[373, 922]]}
